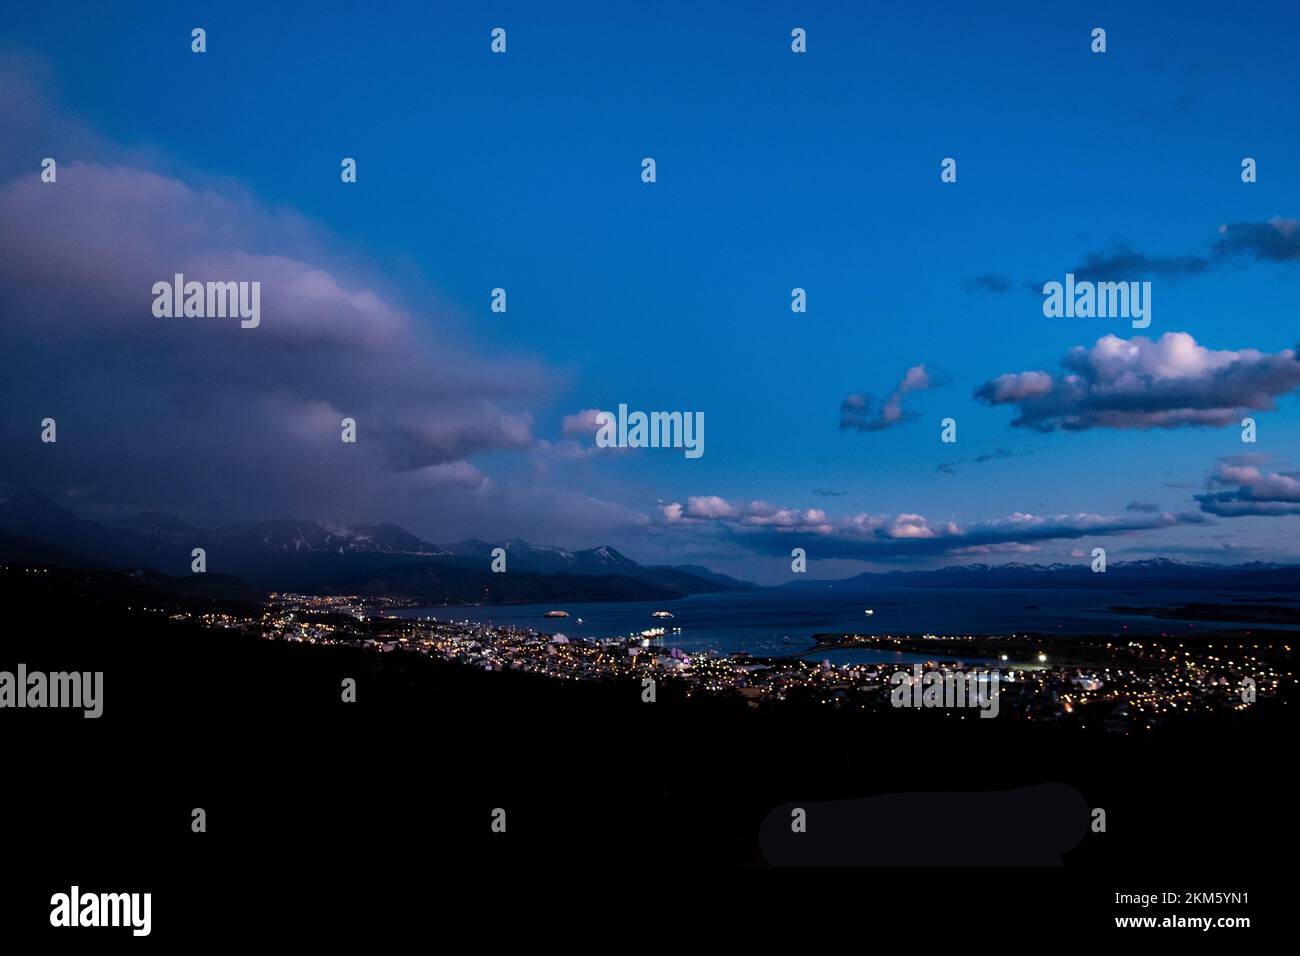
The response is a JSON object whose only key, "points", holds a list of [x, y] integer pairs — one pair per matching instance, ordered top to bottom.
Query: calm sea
{"points": [[776, 621]]}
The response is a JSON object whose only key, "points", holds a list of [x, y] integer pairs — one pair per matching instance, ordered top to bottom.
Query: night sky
{"points": [[775, 170]]}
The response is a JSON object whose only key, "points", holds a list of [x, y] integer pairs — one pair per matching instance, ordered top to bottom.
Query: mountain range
{"points": [[325, 557], [1146, 574]]}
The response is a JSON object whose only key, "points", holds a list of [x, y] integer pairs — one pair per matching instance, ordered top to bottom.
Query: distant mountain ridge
{"points": [[322, 556], [523, 556], [327, 557], [546, 560], [1147, 573]]}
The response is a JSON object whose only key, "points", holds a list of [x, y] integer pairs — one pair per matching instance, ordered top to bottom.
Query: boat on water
{"points": [[868, 612], [556, 614], [661, 614]]}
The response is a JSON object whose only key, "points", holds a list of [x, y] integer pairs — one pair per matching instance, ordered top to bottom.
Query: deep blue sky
{"points": [[775, 170]]}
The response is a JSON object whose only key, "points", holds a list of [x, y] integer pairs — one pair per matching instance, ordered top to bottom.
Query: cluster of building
{"points": [[1117, 685], [1120, 686]]}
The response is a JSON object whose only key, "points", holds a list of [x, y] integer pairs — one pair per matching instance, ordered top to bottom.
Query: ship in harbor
{"points": [[556, 614], [662, 614]]}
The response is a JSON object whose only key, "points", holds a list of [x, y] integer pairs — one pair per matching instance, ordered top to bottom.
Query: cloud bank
{"points": [[762, 527]]}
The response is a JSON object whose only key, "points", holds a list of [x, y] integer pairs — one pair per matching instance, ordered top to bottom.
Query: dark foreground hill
{"points": [[312, 804]]}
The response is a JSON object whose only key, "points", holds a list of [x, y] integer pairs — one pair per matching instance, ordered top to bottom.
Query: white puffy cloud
{"points": [[1169, 382]]}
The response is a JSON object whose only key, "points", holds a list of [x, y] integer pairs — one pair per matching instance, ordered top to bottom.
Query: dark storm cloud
{"points": [[159, 409], [218, 423]]}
